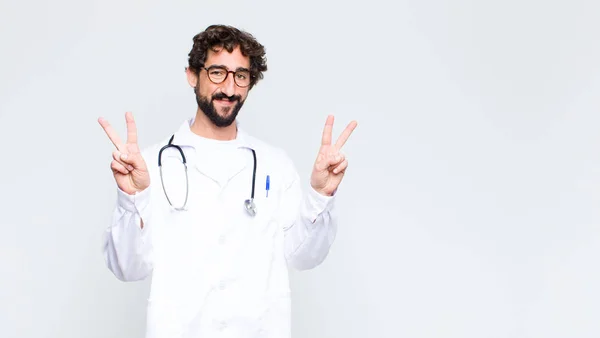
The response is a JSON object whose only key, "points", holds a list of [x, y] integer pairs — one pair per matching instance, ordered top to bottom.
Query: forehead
{"points": [[221, 57]]}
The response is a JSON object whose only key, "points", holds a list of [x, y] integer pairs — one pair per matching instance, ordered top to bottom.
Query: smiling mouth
{"points": [[225, 101]]}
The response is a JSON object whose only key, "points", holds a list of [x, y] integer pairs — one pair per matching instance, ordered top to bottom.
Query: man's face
{"points": [[220, 102]]}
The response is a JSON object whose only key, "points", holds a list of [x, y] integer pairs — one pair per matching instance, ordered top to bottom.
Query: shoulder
{"points": [[152, 150], [269, 151], [150, 153], [274, 156]]}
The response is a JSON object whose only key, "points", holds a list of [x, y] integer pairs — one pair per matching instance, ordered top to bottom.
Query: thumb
{"points": [[133, 159], [326, 161], [322, 163]]}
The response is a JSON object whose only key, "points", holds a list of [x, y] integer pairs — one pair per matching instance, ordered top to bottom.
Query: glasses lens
{"points": [[217, 74], [242, 78]]}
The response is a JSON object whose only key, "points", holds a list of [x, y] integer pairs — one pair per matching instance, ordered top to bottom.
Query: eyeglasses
{"points": [[218, 74]]}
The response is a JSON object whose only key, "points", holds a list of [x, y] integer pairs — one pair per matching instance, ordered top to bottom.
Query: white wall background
{"points": [[471, 207]]}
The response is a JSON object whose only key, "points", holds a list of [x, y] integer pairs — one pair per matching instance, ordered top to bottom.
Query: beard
{"points": [[209, 109]]}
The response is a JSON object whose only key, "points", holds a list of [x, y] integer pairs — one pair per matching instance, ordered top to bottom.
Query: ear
{"points": [[192, 77]]}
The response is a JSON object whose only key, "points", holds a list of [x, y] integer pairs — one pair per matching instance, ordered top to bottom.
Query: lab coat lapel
{"points": [[217, 166]]}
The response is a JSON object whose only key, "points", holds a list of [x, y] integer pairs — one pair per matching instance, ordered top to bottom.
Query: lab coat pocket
{"points": [[266, 215], [163, 319], [276, 321]]}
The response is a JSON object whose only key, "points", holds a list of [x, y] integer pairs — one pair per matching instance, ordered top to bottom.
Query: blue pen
{"points": [[268, 185]]}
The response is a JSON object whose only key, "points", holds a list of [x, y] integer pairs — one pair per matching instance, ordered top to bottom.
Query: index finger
{"points": [[131, 128], [111, 133], [346, 134]]}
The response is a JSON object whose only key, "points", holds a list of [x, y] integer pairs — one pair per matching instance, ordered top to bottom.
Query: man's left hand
{"points": [[330, 164]]}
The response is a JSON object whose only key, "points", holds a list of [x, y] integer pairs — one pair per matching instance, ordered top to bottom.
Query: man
{"points": [[216, 244]]}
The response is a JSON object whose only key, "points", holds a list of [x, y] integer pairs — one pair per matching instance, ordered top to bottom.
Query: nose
{"points": [[228, 86]]}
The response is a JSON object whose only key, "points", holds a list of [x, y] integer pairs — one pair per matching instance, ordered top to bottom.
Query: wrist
{"points": [[324, 192], [135, 201]]}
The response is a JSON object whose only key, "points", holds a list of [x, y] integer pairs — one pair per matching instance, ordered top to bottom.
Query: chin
{"points": [[225, 116]]}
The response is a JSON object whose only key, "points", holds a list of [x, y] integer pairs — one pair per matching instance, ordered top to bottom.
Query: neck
{"points": [[202, 126]]}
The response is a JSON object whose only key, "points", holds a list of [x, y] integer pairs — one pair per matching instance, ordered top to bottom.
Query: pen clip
{"points": [[268, 185]]}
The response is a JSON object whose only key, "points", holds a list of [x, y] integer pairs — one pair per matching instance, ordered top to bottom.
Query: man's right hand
{"points": [[128, 165]]}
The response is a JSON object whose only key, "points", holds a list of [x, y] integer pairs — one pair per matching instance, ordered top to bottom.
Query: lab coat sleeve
{"points": [[312, 229], [127, 245]]}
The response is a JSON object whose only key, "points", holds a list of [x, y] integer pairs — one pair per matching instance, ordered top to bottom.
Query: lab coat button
{"points": [[222, 239], [222, 286]]}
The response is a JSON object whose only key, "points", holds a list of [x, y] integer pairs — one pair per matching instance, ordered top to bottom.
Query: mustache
{"points": [[221, 96]]}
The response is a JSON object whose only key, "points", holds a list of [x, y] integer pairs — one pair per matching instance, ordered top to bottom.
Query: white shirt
{"points": [[217, 271]]}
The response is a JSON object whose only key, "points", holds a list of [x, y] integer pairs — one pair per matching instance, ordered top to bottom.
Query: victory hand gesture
{"points": [[330, 164], [128, 166]]}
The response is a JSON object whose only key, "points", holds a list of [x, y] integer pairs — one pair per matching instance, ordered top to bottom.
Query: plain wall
{"points": [[471, 207]]}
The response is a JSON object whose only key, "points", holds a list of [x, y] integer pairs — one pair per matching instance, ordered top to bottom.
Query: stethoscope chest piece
{"points": [[250, 207]]}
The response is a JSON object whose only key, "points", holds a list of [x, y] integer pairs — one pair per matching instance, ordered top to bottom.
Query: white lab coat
{"points": [[217, 271]]}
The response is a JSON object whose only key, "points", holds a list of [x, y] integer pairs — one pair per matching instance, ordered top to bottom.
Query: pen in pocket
{"points": [[268, 185]]}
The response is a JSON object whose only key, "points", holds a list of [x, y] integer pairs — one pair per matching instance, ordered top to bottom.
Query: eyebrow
{"points": [[223, 66]]}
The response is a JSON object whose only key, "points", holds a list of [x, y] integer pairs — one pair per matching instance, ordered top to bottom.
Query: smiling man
{"points": [[214, 57], [219, 234]]}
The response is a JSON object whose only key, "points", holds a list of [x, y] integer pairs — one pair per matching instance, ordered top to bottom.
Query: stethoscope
{"points": [[248, 204]]}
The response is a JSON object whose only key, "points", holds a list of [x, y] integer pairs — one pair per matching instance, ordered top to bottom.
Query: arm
{"points": [[313, 229], [312, 232], [127, 241]]}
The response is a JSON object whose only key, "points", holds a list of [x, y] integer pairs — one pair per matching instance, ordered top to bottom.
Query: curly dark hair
{"points": [[216, 37]]}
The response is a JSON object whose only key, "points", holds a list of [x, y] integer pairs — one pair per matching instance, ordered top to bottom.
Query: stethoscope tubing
{"points": [[249, 203]]}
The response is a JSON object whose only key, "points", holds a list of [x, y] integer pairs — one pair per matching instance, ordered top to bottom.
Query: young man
{"points": [[218, 234]]}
